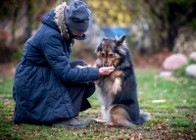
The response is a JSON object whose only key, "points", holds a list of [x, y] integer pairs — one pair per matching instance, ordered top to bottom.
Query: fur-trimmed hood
{"points": [[55, 19], [60, 19]]}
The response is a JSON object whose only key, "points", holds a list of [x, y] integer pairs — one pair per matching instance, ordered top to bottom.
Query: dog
{"points": [[117, 92]]}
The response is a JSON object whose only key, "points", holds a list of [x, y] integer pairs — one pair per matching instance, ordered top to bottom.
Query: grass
{"points": [[171, 102]]}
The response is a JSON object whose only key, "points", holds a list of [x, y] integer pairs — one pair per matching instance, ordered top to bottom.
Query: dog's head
{"points": [[109, 51]]}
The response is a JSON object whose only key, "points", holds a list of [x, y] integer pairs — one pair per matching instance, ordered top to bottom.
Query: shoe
{"points": [[72, 123]]}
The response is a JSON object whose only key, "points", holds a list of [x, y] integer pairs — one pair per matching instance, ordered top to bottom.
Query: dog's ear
{"points": [[116, 37], [105, 38], [121, 40], [98, 49]]}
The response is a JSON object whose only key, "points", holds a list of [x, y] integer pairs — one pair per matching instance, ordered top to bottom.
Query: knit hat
{"points": [[77, 16]]}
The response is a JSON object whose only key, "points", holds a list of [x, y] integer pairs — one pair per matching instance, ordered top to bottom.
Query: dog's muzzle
{"points": [[106, 65]]}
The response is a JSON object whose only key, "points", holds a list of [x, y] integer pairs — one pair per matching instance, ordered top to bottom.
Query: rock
{"points": [[192, 56], [174, 61], [191, 70]]}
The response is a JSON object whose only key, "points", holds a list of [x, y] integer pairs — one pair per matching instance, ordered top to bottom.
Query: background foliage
{"points": [[153, 24]]}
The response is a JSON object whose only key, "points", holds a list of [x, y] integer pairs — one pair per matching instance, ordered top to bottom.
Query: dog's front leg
{"points": [[116, 73], [105, 114]]}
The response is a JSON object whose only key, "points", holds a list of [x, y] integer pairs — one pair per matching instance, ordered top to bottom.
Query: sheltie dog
{"points": [[117, 91]]}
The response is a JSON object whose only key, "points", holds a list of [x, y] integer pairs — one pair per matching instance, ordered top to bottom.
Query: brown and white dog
{"points": [[117, 92]]}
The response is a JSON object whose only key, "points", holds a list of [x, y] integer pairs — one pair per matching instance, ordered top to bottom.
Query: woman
{"points": [[48, 88]]}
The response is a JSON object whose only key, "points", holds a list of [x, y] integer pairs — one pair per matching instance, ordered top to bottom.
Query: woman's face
{"points": [[78, 36]]}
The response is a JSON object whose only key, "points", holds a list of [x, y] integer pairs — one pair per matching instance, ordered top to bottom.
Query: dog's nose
{"points": [[105, 65]]}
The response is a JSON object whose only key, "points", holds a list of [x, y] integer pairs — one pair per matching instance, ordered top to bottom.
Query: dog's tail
{"points": [[145, 116]]}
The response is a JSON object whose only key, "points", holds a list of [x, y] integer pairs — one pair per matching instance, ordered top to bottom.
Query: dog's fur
{"points": [[117, 92]]}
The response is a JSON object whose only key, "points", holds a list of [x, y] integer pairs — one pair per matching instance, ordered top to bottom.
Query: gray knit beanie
{"points": [[77, 16]]}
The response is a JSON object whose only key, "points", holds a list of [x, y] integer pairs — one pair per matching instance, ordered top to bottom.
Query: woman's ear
{"points": [[121, 40]]}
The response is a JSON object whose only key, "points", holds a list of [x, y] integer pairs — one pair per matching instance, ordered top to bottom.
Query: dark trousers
{"points": [[79, 92]]}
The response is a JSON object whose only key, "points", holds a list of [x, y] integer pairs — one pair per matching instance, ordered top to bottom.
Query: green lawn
{"points": [[171, 102]]}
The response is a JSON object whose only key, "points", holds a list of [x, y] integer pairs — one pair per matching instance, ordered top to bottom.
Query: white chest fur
{"points": [[117, 85], [109, 90], [106, 95]]}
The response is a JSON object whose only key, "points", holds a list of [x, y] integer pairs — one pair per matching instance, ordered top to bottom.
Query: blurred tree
{"points": [[110, 12], [168, 17], [18, 18], [156, 22]]}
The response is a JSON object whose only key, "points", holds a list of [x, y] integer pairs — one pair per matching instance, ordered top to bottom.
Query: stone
{"points": [[192, 56], [174, 62], [191, 70]]}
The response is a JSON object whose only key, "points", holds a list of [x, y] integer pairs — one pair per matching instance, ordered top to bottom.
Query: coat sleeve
{"points": [[52, 48]]}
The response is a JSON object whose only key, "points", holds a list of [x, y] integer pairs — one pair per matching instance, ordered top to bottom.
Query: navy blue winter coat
{"points": [[39, 92]]}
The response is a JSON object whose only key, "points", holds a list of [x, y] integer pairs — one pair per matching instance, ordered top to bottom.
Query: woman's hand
{"points": [[105, 70]]}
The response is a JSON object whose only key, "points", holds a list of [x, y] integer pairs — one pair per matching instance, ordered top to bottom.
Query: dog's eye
{"points": [[111, 55]]}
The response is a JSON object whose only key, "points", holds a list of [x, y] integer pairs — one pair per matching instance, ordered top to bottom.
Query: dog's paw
{"points": [[116, 73], [145, 115], [98, 120], [110, 124]]}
